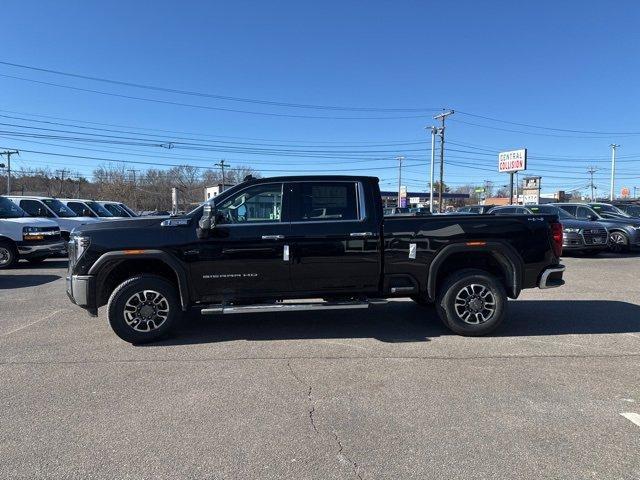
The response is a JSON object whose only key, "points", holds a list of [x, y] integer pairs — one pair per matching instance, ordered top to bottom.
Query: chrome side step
{"points": [[288, 307]]}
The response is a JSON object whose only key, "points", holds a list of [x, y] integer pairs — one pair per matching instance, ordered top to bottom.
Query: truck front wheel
{"points": [[8, 254], [472, 302], [143, 308]]}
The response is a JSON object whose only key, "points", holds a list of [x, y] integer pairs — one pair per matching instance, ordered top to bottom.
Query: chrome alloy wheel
{"points": [[617, 241], [5, 256], [475, 304], [146, 311]]}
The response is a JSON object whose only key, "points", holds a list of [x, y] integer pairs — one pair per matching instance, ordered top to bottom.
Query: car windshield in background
{"points": [[59, 208], [8, 209], [99, 209], [609, 209], [115, 210], [550, 210]]}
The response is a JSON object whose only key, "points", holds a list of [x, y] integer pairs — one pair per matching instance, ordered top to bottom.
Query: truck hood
{"points": [[80, 220], [31, 221], [634, 222], [115, 224]]}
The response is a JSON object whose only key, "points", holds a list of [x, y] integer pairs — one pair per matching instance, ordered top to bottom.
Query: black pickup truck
{"points": [[274, 244]]}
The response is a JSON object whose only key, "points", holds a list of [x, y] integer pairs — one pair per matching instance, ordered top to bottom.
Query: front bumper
{"points": [[578, 241], [37, 250], [551, 277], [81, 291]]}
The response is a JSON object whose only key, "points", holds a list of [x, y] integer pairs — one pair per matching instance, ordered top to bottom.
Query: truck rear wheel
{"points": [[8, 254], [472, 302], [143, 308]]}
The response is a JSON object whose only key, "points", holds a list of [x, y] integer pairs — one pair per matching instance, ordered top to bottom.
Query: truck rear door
{"points": [[334, 239]]}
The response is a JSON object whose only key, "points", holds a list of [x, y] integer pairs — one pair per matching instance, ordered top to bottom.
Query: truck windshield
{"points": [[59, 208], [8, 209], [98, 209], [116, 210]]}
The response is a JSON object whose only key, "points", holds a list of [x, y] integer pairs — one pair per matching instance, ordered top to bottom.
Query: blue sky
{"points": [[563, 65]]}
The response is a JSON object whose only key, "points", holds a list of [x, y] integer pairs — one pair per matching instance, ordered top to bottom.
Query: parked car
{"points": [[89, 208], [51, 209], [118, 209], [476, 209], [631, 209], [397, 211], [420, 211], [608, 211], [624, 233], [578, 236], [32, 239], [262, 241]]}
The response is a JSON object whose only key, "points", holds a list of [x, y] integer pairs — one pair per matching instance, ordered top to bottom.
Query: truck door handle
{"points": [[361, 234], [272, 237]]}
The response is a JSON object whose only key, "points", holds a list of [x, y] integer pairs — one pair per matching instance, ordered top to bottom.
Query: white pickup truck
{"points": [[33, 239]]}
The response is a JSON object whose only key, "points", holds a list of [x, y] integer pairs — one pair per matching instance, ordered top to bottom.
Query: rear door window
{"points": [[327, 201], [35, 208]]}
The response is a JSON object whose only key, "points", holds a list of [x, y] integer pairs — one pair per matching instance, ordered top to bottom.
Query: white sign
{"points": [[513, 161], [531, 198], [414, 200]]}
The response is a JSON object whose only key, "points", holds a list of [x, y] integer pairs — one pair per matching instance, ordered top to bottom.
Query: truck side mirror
{"points": [[206, 222]]}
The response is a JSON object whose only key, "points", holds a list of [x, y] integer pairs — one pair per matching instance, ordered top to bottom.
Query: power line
{"points": [[217, 96], [205, 107]]}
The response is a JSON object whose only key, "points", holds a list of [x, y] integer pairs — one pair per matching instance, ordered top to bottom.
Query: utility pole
{"points": [[442, 117], [434, 131], [8, 153], [400, 159], [222, 164], [613, 171], [61, 172], [592, 185], [135, 188]]}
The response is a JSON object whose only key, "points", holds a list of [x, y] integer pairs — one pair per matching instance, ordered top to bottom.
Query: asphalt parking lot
{"points": [[385, 393]]}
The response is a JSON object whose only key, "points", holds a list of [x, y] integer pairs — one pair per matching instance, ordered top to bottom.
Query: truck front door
{"points": [[334, 240], [245, 254]]}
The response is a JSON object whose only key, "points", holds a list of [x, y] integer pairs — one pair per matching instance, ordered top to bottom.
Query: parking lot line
{"points": [[46, 317], [632, 417]]}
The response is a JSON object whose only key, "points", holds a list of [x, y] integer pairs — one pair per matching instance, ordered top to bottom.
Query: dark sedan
{"points": [[624, 233], [578, 236]]}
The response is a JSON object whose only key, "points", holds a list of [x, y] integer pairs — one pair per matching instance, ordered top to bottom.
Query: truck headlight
{"points": [[572, 230], [80, 245]]}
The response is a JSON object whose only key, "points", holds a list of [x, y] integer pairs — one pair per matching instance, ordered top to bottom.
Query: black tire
{"points": [[618, 242], [9, 255], [36, 260], [422, 301], [125, 312], [488, 314]]}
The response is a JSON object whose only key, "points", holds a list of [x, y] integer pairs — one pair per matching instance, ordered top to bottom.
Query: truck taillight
{"points": [[556, 234]]}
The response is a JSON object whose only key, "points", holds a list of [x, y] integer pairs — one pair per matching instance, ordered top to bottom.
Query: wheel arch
{"points": [[495, 257], [112, 268]]}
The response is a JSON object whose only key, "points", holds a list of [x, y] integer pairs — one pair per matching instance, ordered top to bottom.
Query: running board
{"points": [[288, 307]]}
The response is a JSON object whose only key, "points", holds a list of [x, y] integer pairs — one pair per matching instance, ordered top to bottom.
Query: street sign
{"points": [[512, 161]]}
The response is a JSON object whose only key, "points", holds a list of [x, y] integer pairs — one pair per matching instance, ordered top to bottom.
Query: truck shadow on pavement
{"points": [[8, 281], [400, 322]]}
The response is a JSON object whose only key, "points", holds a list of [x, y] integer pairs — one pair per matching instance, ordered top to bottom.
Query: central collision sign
{"points": [[513, 161]]}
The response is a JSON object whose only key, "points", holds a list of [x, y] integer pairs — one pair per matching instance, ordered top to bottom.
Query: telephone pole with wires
{"points": [[442, 117], [8, 153], [399, 159], [222, 164], [62, 173], [592, 185], [135, 186]]}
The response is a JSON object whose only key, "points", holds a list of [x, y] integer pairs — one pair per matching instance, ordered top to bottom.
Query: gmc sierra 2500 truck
{"points": [[266, 244]]}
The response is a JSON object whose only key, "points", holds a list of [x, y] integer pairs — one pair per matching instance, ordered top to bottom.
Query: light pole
{"points": [[434, 131], [613, 171]]}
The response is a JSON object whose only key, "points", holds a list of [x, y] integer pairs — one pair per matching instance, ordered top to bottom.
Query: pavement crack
{"points": [[312, 409], [355, 467]]}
